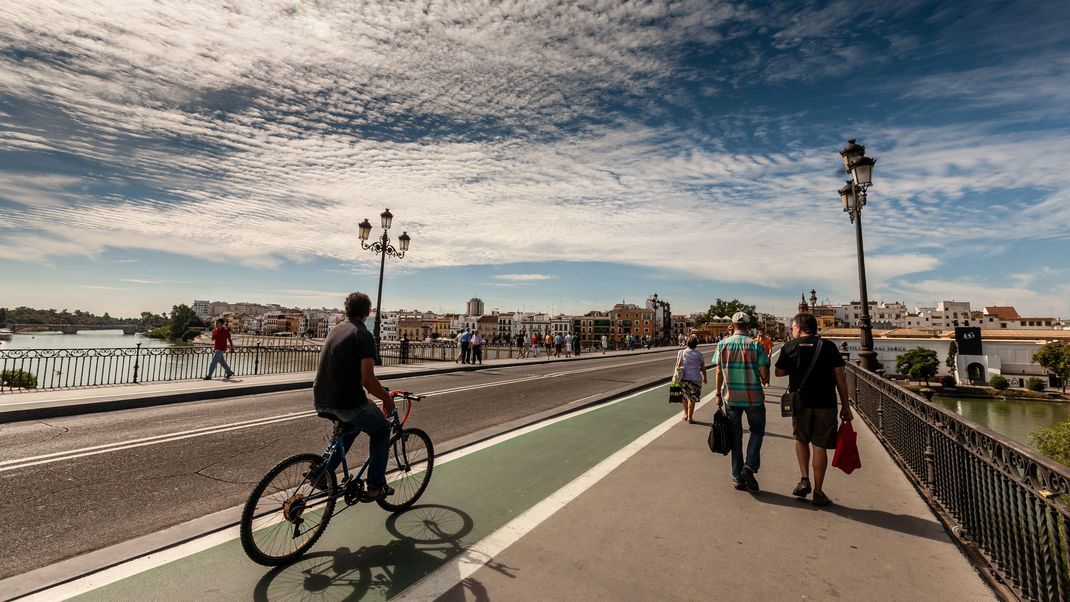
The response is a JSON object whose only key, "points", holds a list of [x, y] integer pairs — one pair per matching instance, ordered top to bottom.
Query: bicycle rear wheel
{"points": [[411, 458], [285, 514]]}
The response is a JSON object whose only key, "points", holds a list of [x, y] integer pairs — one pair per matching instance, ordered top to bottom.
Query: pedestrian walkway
{"points": [[57, 402], [619, 502]]}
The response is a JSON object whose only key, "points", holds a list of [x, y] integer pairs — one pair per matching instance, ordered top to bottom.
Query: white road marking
{"points": [[8, 465], [141, 564], [463, 566]]}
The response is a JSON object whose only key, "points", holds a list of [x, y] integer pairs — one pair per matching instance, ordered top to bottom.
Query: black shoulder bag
{"points": [[790, 401]]}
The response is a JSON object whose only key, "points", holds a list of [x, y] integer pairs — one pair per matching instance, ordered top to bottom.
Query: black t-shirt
{"points": [[795, 357], [337, 382]]}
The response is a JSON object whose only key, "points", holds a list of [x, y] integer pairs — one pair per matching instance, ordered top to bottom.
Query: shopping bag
{"points": [[676, 393], [719, 439], [846, 456]]}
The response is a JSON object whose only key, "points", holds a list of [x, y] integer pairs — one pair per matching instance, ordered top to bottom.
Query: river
{"points": [[89, 339], [1014, 419]]}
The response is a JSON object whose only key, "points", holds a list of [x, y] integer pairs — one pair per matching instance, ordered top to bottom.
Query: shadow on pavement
{"points": [[903, 523], [427, 537]]}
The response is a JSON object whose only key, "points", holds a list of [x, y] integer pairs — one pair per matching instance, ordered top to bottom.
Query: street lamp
{"points": [[853, 198], [382, 247]]}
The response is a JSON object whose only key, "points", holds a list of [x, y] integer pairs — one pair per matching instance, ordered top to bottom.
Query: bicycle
{"points": [[290, 507]]}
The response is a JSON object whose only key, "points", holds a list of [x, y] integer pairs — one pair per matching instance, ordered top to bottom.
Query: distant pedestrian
{"points": [[220, 341], [548, 341], [766, 342], [476, 343], [558, 343], [576, 344], [605, 344], [568, 345], [466, 346], [521, 346], [535, 346], [743, 369], [694, 376], [814, 424]]}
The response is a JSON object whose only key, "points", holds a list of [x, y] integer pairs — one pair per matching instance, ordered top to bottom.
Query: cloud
{"points": [[524, 277], [102, 288]]}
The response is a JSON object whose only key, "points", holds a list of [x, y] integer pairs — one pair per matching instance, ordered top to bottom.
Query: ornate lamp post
{"points": [[853, 198], [382, 247]]}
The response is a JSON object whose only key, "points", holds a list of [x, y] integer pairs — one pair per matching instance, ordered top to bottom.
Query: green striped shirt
{"points": [[739, 357]]}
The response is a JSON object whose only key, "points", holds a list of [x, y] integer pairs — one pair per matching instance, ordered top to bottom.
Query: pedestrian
{"points": [[220, 340], [548, 341], [766, 342], [476, 343], [558, 343], [576, 344], [605, 344], [568, 345], [466, 346], [521, 346], [535, 346], [403, 347], [346, 368], [742, 371], [694, 376], [814, 424]]}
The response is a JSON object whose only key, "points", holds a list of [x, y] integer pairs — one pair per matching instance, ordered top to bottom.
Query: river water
{"points": [[90, 339], [1014, 419]]}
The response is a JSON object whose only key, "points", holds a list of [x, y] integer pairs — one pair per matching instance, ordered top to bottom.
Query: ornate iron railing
{"points": [[1005, 500]]}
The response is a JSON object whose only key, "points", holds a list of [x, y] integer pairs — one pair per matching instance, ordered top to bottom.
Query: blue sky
{"points": [[543, 155]]}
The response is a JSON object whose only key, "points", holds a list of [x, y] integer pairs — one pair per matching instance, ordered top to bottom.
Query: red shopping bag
{"points": [[846, 456]]}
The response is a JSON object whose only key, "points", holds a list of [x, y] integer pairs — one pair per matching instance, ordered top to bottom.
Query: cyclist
{"points": [[346, 369]]}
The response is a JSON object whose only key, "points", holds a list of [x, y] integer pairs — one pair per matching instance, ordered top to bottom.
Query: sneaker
{"points": [[229, 374], [207, 378], [748, 478], [739, 486], [803, 488], [820, 499]]}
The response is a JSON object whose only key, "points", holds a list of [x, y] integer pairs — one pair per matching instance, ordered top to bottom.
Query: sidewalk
{"points": [[65, 402], [619, 502]]}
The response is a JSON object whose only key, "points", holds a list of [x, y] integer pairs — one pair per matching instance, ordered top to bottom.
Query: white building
{"points": [[475, 307], [201, 309], [889, 315], [561, 324]]}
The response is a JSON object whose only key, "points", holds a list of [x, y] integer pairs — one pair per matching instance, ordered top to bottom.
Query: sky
{"points": [[543, 155]]}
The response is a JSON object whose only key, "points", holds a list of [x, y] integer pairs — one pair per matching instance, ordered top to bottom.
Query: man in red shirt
{"points": [[220, 340]]}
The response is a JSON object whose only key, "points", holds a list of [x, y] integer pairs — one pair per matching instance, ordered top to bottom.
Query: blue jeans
{"points": [[218, 358], [369, 419], [756, 422]]}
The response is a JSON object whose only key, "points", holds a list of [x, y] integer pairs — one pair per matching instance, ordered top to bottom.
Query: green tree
{"points": [[720, 307], [182, 319], [952, 356], [1056, 358], [918, 364], [999, 382], [1034, 384], [1053, 442]]}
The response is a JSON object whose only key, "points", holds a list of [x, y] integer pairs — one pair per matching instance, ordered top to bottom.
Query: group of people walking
{"points": [[567, 344], [469, 347], [815, 370]]}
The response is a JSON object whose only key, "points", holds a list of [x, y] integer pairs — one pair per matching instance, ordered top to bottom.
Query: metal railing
{"points": [[1007, 501]]}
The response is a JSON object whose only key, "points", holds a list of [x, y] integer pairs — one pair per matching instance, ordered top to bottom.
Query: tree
{"points": [[720, 307], [182, 319], [952, 356], [1056, 358], [918, 364], [999, 382], [1053, 442]]}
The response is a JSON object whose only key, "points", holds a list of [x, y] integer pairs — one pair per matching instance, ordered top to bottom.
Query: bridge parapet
{"points": [[1007, 504]]}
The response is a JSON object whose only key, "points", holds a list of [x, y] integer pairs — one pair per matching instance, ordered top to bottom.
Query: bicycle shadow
{"points": [[428, 536]]}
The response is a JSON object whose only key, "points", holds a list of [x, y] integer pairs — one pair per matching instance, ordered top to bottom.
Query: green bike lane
{"points": [[367, 553]]}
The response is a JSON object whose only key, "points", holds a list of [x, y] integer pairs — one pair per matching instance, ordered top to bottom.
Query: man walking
{"points": [[220, 340], [476, 344], [605, 344], [466, 348], [346, 368], [742, 370], [814, 424]]}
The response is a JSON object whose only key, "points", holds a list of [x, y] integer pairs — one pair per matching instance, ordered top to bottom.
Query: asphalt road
{"points": [[77, 484]]}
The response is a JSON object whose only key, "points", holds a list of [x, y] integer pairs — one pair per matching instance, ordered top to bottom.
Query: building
{"points": [[475, 307], [202, 310], [881, 315], [1006, 317], [629, 319], [681, 326]]}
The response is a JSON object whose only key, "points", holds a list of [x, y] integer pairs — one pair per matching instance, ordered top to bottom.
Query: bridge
{"points": [[75, 328], [554, 479]]}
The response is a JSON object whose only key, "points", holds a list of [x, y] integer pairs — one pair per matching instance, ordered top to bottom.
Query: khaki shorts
{"points": [[816, 425]]}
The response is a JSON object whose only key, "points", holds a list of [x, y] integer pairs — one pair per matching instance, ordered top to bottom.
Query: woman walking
{"points": [[568, 345], [693, 377]]}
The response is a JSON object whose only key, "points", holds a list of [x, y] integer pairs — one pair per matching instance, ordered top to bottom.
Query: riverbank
{"points": [[972, 392]]}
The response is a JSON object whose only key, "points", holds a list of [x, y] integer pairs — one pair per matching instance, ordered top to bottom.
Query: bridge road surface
{"points": [[209, 454], [619, 502]]}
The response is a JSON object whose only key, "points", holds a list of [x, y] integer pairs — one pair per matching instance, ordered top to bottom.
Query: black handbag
{"points": [[790, 401], [720, 440]]}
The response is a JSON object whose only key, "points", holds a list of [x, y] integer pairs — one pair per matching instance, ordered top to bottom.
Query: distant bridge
{"points": [[74, 328]]}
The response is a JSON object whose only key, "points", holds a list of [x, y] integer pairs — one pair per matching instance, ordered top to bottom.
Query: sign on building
{"points": [[968, 340]]}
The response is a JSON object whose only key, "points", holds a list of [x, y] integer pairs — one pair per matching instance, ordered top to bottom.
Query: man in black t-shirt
{"points": [[346, 368], [814, 424]]}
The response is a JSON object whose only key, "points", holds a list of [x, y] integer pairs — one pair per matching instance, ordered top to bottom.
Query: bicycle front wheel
{"points": [[411, 458], [288, 510]]}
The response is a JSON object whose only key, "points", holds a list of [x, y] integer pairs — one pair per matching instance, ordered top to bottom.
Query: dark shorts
{"points": [[818, 426]]}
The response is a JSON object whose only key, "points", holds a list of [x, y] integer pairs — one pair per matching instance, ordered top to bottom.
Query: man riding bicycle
{"points": [[346, 368]]}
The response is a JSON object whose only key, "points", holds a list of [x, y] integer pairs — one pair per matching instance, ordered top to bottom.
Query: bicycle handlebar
{"points": [[406, 395]]}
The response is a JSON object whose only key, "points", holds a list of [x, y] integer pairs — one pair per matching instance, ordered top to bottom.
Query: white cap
{"points": [[740, 318]]}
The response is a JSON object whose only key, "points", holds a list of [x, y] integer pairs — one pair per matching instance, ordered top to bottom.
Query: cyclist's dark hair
{"points": [[358, 306], [806, 323], [692, 341]]}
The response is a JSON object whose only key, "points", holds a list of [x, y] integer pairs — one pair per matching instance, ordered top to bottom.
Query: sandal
{"points": [[803, 488], [385, 491], [820, 499]]}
